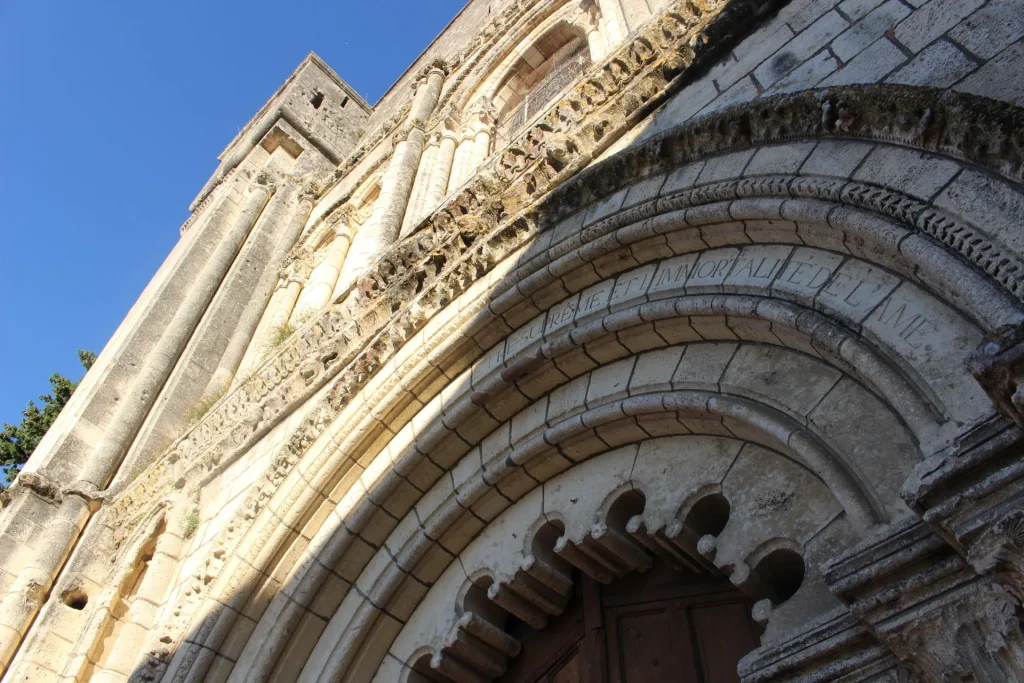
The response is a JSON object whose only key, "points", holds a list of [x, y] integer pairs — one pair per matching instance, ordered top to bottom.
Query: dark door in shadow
{"points": [[655, 627]]}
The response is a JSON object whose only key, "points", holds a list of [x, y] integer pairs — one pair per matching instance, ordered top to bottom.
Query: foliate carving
{"points": [[437, 65], [403, 131], [264, 181], [497, 213], [298, 265], [998, 365], [38, 484], [999, 552], [924, 602], [974, 636]]}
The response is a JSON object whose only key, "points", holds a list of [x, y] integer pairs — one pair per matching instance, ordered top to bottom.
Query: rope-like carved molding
{"points": [[976, 129], [462, 241], [995, 259], [416, 278], [446, 286]]}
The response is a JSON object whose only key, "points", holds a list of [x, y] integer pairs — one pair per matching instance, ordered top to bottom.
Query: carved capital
{"points": [[589, 18], [437, 66], [481, 113], [448, 117], [403, 132], [263, 181], [310, 191], [340, 221], [298, 266], [998, 366], [39, 484], [93, 497], [999, 552], [927, 605]]}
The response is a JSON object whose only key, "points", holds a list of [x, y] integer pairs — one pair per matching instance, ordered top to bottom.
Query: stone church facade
{"points": [[621, 340]]}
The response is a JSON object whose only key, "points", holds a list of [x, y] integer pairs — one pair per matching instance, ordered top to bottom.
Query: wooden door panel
{"points": [[652, 628], [723, 637], [650, 643], [642, 645], [569, 672]]}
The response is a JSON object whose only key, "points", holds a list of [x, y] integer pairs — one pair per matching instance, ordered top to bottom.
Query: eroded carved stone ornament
{"points": [[498, 212], [998, 365], [1000, 553], [926, 604]]}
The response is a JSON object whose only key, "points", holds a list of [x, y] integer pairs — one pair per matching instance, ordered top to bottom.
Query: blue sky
{"points": [[111, 118]]}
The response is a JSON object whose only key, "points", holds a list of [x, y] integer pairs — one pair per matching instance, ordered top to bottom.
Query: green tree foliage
{"points": [[18, 441]]}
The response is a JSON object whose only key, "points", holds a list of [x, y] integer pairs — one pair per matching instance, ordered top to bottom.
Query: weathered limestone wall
{"points": [[973, 47], [313, 100], [770, 306], [203, 374], [77, 431]]}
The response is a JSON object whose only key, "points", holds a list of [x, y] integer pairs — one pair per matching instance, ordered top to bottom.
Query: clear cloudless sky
{"points": [[111, 118]]}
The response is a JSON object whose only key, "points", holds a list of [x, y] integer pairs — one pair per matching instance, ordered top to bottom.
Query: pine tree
{"points": [[18, 441]]}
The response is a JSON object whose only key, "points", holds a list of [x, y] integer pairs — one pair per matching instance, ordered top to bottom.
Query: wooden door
{"points": [[648, 628]]}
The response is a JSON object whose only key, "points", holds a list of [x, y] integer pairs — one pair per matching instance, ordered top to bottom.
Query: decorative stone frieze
{"points": [[473, 211], [523, 350]]}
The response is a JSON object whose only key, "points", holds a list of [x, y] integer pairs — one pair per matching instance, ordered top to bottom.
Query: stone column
{"points": [[590, 22], [613, 22], [481, 124], [462, 157], [441, 172], [419, 190], [382, 228], [317, 292], [254, 308], [279, 311], [103, 461], [22, 602], [923, 602]]}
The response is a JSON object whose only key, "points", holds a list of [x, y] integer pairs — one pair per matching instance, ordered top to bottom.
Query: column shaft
{"points": [[613, 19], [595, 41], [481, 148], [462, 155], [441, 173], [419, 190], [384, 224], [317, 292], [255, 307], [279, 310], [103, 461], [22, 603], [130, 644]]}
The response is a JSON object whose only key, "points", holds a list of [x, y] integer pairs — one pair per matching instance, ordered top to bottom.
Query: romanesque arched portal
{"points": [[704, 370]]}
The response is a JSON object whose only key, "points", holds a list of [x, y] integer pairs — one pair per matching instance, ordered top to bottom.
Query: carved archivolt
{"points": [[463, 244], [506, 298], [670, 498]]}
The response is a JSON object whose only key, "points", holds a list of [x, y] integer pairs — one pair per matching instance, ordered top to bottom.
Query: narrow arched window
{"points": [[543, 71]]}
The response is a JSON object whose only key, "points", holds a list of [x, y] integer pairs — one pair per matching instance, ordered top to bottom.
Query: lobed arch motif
{"points": [[623, 229], [533, 580]]}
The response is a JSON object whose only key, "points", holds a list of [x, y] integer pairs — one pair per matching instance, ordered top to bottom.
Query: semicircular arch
{"points": [[857, 225]]}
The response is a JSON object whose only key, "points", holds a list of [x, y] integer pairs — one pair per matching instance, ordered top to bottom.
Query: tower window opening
{"points": [[317, 99]]}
